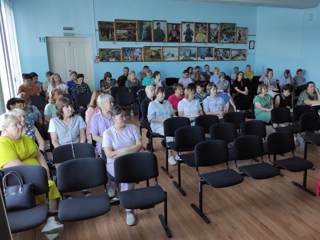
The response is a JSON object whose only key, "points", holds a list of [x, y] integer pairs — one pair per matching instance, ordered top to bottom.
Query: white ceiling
{"points": [[272, 3]]}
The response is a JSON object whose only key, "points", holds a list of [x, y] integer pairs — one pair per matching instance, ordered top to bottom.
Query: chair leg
{"points": [[151, 144], [305, 150], [166, 168], [178, 184], [304, 184], [199, 210], [164, 218]]}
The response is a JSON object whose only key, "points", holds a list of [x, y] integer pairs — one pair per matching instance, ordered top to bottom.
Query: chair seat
{"points": [[292, 128], [313, 138], [170, 145], [188, 158], [295, 164], [260, 171], [223, 178], [142, 198], [80, 208], [23, 220]]}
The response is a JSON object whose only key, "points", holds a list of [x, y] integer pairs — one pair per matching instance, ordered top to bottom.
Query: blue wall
{"points": [[41, 18], [288, 38]]}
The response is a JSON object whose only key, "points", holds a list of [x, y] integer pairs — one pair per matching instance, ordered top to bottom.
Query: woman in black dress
{"points": [[241, 97]]}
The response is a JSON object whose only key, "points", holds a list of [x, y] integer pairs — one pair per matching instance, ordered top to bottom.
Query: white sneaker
{"points": [[177, 157], [172, 161], [111, 191], [130, 218], [52, 226], [54, 236]]}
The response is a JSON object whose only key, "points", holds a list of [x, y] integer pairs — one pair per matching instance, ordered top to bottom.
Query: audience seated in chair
{"points": [[206, 73], [248, 73], [197, 76], [286, 78], [299, 79], [147, 80], [185, 80], [132, 81], [270, 81], [72, 82], [58, 83], [107, 83], [223, 86], [29, 87], [201, 93], [310, 96], [241, 97], [175, 98], [284, 99], [214, 104], [263, 104], [189, 106], [50, 110], [91, 110]]}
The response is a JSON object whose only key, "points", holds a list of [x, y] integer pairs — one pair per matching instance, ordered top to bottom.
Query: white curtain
{"points": [[10, 68]]}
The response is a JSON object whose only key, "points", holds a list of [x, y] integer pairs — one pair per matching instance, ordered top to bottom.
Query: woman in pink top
{"points": [[175, 98], [92, 109]]}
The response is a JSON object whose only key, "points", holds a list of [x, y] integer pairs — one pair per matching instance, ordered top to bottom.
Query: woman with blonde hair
{"points": [[132, 81], [57, 83], [263, 104], [50, 110], [91, 110]]}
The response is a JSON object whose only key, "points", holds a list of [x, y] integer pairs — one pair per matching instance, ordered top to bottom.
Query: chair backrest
{"points": [[171, 81], [168, 92], [124, 97], [82, 99], [39, 102], [298, 110], [280, 115], [234, 117], [206, 121], [310, 121], [144, 122], [170, 125], [254, 127], [223, 131], [186, 138], [280, 143], [248, 147], [71, 151], [211, 152], [136, 167], [81, 173], [35, 175]]}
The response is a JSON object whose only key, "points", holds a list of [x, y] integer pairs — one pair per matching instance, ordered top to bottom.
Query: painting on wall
{"points": [[144, 29], [126, 30], [214, 30], [106, 31], [174, 31], [187, 32], [201, 32], [227, 32], [159, 33], [241, 35], [170, 53], [188, 53], [205, 53], [132, 54], [152, 54], [222, 54], [238, 54], [109, 55]]}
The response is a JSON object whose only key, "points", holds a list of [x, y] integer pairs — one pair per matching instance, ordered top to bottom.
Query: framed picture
{"points": [[144, 29], [126, 30], [214, 30], [106, 31], [174, 31], [159, 32], [187, 32], [201, 32], [227, 32], [242, 35], [252, 44], [170, 53], [188, 53], [205, 53], [131, 54], [152, 54], [222, 54], [239, 54], [110, 55]]}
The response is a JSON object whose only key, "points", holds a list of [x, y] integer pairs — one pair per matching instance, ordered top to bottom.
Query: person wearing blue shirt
{"points": [[72, 81]]}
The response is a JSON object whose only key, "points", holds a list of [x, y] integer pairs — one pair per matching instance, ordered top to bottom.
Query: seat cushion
{"points": [[313, 138], [188, 158], [295, 164], [260, 171], [223, 178], [142, 198], [79, 208], [27, 219]]}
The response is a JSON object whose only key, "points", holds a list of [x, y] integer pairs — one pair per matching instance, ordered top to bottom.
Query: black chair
{"points": [[170, 81], [168, 92], [141, 95], [124, 97], [39, 102], [298, 110], [280, 115], [235, 117], [206, 121], [309, 123], [170, 125], [254, 127], [186, 138], [282, 143], [251, 147], [72, 151], [210, 153], [128, 170], [80, 174], [23, 220]]}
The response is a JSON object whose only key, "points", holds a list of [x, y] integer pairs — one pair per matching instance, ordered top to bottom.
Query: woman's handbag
{"points": [[17, 197]]}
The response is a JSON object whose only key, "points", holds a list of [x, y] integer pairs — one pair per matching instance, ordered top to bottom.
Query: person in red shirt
{"points": [[29, 87], [175, 98]]}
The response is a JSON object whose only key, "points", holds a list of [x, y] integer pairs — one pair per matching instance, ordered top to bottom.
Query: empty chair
{"points": [[170, 81], [124, 97], [298, 110], [280, 115], [234, 117], [206, 121], [170, 125], [254, 127], [186, 138], [282, 143], [250, 147], [72, 151], [210, 153], [136, 167], [80, 174], [26, 219]]}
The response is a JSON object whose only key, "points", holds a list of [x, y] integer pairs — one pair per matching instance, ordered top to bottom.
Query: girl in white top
{"points": [[58, 84], [214, 104], [189, 106]]}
